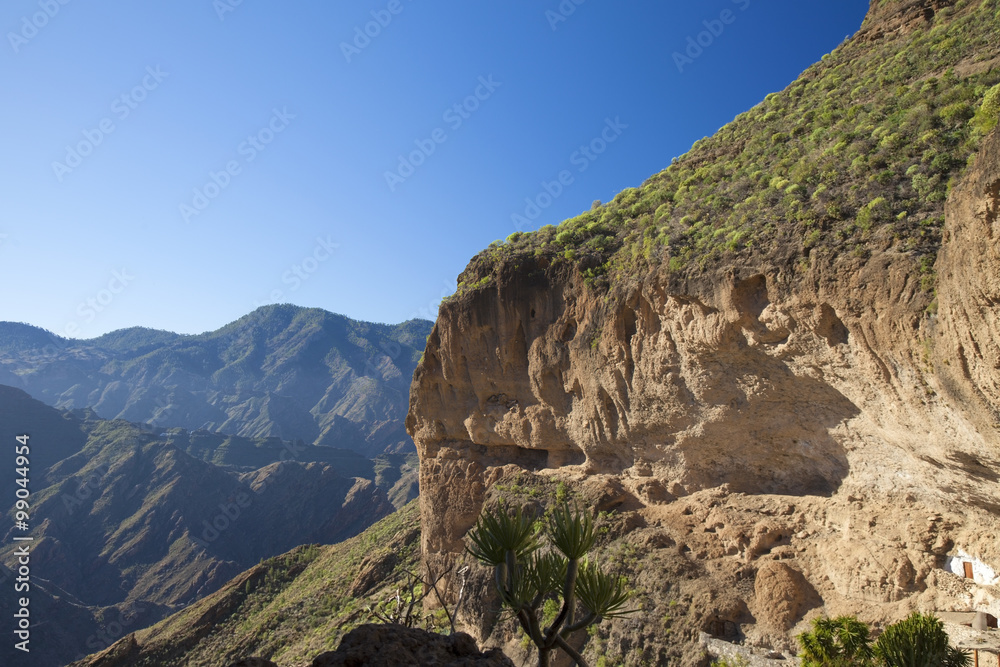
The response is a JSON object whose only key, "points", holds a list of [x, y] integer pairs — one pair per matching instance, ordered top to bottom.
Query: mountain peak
{"points": [[134, 338], [282, 370]]}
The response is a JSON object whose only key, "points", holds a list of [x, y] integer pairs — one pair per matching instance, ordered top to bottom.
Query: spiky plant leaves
{"points": [[572, 531], [497, 533], [549, 570], [526, 577], [519, 588], [603, 594], [918, 641], [839, 642]]}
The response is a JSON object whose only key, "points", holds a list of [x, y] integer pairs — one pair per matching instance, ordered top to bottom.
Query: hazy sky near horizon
{"points": [[177, 164]]}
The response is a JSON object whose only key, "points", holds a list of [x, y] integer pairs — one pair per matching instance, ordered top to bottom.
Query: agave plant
{"points": [[533, 563]]}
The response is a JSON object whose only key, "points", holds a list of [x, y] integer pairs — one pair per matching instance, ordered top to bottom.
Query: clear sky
{"points": [[175, 164]]}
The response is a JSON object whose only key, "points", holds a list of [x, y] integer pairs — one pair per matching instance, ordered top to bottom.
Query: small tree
{"points": [[989, 111], [528, 572], [400, 608], [918, 641], [837, 642]]}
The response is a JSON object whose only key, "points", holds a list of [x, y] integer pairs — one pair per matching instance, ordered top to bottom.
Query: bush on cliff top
{"points": [[893, 120]]}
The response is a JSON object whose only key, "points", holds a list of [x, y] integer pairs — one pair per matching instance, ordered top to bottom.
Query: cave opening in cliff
{"points": [[533, 459]]}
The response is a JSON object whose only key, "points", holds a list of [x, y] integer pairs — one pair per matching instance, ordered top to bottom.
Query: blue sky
{"points": [[176, 164]]}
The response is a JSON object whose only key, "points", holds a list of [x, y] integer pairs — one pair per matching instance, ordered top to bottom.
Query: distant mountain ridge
{"points": [[281, 371]]}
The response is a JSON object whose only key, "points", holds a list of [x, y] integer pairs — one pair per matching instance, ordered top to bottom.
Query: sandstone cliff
{"points": [[779, 440]]}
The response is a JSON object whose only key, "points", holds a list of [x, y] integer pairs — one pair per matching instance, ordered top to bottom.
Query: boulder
{"points": [[393, 645]]}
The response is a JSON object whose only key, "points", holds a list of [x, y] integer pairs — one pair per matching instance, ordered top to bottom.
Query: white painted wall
{"points": [[981, 572]]}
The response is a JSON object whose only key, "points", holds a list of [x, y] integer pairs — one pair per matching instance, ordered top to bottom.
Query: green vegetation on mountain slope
{"points": [[857, 154], [57, 434], [131, 524], [287, 609]]}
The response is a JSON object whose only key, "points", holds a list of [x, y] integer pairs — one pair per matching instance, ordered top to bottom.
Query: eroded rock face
{"points": [[967, 343], [838, 386]]}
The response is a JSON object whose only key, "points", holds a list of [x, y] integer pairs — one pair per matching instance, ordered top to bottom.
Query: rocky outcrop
{"points": [[899, 17], [967, 342], [835, 391], [393, 645], [253, 662]]}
